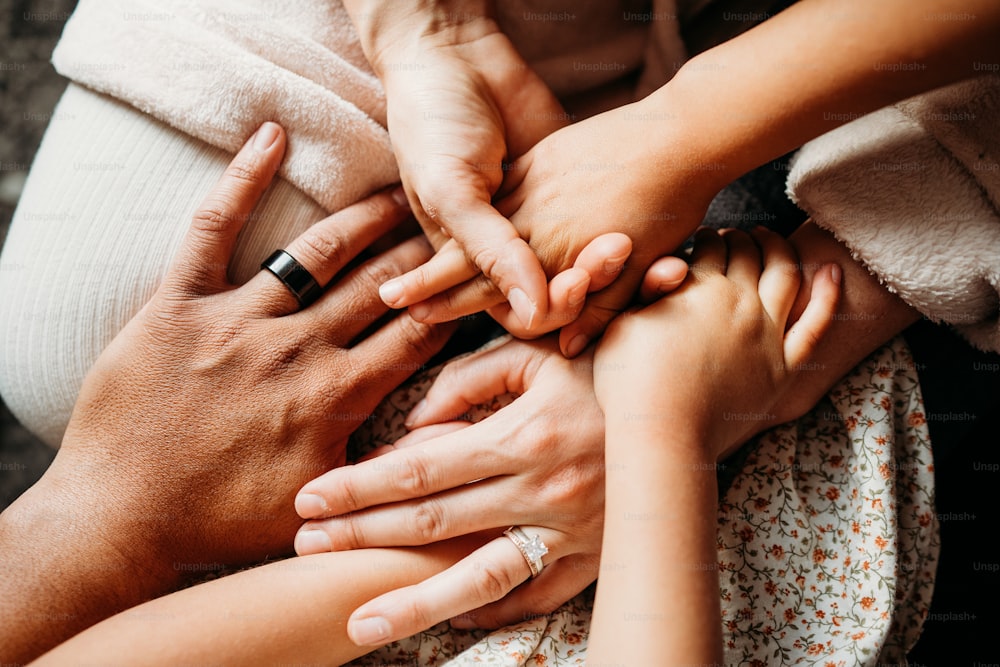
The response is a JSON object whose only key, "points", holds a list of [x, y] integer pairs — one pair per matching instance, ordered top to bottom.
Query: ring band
{"points": [[294, 276], [531, 548]]}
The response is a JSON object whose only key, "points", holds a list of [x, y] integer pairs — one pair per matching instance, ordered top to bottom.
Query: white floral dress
{"points": [[827, 539]]}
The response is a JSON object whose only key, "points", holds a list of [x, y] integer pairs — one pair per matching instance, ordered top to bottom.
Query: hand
{"points": [[461, 101], [598, 176], [714, 358], [215, 403], [538, 462]]}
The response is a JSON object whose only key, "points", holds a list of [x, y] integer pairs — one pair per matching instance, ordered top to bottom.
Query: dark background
{"points": [[967, 451]]}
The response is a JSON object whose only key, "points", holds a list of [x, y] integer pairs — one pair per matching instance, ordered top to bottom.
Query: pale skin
{"points": [[826, 60], [428, 473], [660, 604], [298, 610]]}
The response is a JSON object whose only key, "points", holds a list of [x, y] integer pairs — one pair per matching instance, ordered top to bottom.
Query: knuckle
{"points": [[245, 172], [213, 217], [324, 247], [485, 258], [371, 275], [422, 340], [415, 478], [350, 497], [429, 522], [346, 533], [491, 581], [412, 614]]}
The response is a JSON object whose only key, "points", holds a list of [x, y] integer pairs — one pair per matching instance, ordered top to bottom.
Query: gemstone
{"points": [[534, 549]]}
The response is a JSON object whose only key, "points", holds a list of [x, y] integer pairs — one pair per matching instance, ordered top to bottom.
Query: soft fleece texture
{"points": [[914, 191]]}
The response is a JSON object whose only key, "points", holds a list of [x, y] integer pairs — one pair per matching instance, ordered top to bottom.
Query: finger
{"points": [[494, 246], [326, 247], [709, 252], [604, 258], [742, 258], [202, 261], [598, 265], [447, 268], [664, 276], [779, 283], [472, 296], [567, 296], [352, 304], [601, 308], [804, 336], [382, 361], [473, 380], [416, 437], [406, 473], [429, 519], [486, 575], [557, 584]]}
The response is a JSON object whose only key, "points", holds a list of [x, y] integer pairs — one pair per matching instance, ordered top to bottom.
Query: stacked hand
{"points": [[462, 104], [580, 184]]}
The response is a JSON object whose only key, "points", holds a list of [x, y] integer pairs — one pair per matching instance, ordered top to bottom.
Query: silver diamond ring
{"points": [[531, 548]]}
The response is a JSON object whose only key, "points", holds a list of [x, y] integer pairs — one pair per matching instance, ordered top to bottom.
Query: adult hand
{"points": [[460, 101], [557, 197], [215, 403], [540, 457], [537, 462]]}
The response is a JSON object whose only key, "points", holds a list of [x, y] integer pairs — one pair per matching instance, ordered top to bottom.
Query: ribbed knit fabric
{"points": [[109, 197]]}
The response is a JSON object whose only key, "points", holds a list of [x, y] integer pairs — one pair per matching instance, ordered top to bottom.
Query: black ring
{"points": [[294, 276]]}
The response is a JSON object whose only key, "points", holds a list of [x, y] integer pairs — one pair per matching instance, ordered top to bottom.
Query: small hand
{"points": [[718, 345]]}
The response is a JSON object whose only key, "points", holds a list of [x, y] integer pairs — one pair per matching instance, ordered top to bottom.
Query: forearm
{"points": [[826, 62], [59, 575], [658, 592], [291, 611]]}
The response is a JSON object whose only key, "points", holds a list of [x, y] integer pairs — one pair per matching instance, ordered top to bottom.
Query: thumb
{"points": [[472, 380]]}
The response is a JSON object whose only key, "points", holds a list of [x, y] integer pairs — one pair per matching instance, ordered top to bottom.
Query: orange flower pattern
{"points": [[827, 539]]}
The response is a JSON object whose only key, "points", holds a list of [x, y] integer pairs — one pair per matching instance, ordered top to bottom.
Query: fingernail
{"points": [[265, 137], [399, 196], [614, 265], [836, 273], [669, 285], [390, 292], [578, 294], [522, 306], [420, 312], [576, 345], [411, 418], [310, 506], [312, 541], [370, 631]]}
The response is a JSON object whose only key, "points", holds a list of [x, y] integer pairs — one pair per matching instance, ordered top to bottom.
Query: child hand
{"points": [[582, 181], [713, 359]]}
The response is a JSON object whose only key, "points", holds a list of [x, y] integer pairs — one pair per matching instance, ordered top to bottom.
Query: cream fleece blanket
{"points": [[216, 69], [914, 191]]}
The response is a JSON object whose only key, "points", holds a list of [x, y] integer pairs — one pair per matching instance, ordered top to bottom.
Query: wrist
{"points": [[390, 30], [698, 157], [64, 569]]}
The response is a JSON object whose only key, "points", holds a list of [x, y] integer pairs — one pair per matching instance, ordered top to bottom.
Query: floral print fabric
{"points": [[827, 539]]}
